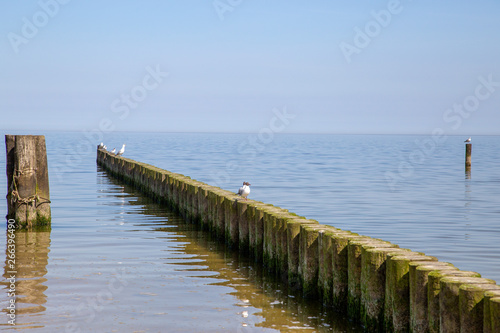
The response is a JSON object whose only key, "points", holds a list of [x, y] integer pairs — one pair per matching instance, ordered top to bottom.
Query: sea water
{"points": [[116, 261]]}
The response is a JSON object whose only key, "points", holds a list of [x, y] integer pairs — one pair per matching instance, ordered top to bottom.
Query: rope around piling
{"points": [[17, 199]]}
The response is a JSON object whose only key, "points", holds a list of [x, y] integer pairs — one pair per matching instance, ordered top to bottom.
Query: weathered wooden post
{"points": [[468, 152], [28, 197]]}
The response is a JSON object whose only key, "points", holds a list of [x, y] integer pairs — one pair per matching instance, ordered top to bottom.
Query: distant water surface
{"points": [[406, 189], [110, 245]]}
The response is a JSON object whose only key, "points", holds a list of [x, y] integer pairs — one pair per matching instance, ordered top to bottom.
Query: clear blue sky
{"points": [[337, 66]]}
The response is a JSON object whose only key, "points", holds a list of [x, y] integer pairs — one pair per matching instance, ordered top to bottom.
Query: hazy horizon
{"points": [[41, 131]]}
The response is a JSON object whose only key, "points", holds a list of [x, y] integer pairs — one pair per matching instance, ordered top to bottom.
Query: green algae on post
{"points": [[449, 304]]}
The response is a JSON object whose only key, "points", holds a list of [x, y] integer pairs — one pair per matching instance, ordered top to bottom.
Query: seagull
{"points": [[468, 140], [101, 145], [105, 147], [113, 151], [121, 151], [244, 191]]}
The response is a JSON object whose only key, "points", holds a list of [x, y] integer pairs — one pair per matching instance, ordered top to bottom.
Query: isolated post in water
{"points": [[468, 151], [28, 196]]}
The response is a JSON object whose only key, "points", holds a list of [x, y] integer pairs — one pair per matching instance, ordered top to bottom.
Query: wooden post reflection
{"points": [[31, 259]]}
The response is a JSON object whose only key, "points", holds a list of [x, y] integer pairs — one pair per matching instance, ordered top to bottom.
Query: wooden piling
{"points": [[468, 159], [28, 197], [202, 205], [231, 221], [256, 231], [243, 232], [269, 238], [282, 244], [355, 248], [293, 251], [309, 259], [325, 269], [340, 270], [373, 279], [397, 290], [434, 303], [449, 304], [472, 305], [419, 309], [495, 314], [491, 321]]}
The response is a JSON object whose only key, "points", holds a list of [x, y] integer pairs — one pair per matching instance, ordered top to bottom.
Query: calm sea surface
{"points": [[116, 262]]}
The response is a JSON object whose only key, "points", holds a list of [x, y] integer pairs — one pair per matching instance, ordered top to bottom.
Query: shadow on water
{"points": [[26, 262], [278, 307]]}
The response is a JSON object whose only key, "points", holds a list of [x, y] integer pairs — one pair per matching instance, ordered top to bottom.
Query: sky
{"points": [[322, 66]]}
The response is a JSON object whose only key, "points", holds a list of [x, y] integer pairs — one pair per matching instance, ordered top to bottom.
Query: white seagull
{"points": [[468, 140], [101, 145], [106, 148], [122, 150], [113, 151], [244, 191]]}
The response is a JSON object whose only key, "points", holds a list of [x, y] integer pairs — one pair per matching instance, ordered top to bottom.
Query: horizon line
{"points": [[245, 132]]}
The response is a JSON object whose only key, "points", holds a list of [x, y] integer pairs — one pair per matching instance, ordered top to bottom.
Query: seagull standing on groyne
{"points": [[468, 140], [122, 150], [113, 151], [244, 191]]}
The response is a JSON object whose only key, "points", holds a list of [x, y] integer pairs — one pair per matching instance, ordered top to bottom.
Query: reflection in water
{"points": [[467, 173], [468, 192], [467, 203], [31, 258], [280, 308]]}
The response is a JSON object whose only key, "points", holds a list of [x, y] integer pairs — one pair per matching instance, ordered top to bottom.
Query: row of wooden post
{"points": [[386, 288]]}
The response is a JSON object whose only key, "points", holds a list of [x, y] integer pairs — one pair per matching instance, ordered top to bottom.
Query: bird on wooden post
{"points": [[122, 150], [468, 153], [244, 191]]}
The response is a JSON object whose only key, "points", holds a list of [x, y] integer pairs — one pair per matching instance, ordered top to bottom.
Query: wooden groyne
{"points": [[385, 287]]}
